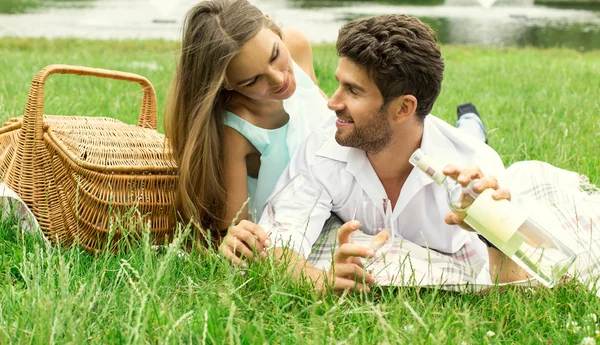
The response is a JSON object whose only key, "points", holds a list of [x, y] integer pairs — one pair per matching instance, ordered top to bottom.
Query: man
{"points": [[390, 74]]}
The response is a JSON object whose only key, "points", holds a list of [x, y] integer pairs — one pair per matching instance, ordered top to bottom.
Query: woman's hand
{"points": [[464, 177], [245, 240]]}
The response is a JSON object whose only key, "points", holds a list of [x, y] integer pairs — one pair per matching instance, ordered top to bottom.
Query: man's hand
{"points": [[464, 177], [245, 239], [502, 268], [347, 272]]}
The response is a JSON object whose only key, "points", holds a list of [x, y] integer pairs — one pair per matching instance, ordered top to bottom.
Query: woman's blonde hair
{"points": [[214, 32]]}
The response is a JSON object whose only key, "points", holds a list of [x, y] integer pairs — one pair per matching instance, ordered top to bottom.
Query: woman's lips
{"points": [[285, 86]]}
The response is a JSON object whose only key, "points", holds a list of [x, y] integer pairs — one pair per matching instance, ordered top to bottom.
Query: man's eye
{"points": [[352, 92]]}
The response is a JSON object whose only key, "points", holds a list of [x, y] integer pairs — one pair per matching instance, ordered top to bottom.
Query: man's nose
{"points": [[334, 102]]}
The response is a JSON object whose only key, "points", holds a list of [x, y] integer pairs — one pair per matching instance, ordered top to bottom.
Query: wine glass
{"points": [[291, 206], [374, 217]]}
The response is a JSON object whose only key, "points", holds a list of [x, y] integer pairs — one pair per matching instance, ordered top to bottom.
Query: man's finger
{"points": [[451, 170], [468, 174], [485, 183], [501, 193], [455, 219], [345, 231], [379, 240], [349, 250], [357, 262], [352, 271], [342, 284]]}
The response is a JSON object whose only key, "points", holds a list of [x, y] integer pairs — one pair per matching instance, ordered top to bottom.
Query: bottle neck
{"points": [[448, 183]]}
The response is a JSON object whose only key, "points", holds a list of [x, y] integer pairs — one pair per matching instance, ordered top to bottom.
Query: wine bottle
{"points": [[506, 226]]}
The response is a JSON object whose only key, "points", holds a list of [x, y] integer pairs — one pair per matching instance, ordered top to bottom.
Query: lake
{"points": [[479, 22]]}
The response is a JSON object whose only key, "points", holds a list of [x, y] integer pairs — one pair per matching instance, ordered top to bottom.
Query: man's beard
{"points": [[372, 136]]}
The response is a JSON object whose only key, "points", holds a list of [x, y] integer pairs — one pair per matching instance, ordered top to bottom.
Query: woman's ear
{"points": [[267, 16]]}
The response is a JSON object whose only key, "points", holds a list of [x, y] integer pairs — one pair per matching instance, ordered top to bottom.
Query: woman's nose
{"points": [[276, 78]]}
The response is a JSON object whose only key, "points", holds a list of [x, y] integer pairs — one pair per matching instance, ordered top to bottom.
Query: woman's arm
{"points": [[301, 52], [235, 150], [246, 241]]}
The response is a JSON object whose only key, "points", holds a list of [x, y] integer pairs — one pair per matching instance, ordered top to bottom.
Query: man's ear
{"points": [[267, 16], [404, 107]]}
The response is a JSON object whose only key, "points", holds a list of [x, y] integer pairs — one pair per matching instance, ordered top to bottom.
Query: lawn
{"points": [[536, 104]]}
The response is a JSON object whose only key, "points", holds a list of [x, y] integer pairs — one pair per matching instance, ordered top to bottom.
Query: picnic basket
{"points": [[78, 174]]}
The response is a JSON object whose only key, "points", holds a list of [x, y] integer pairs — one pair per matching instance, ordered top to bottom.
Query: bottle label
{"points": [[429, 167], [497, 218]]}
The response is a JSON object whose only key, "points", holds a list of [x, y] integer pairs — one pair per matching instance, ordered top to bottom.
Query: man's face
{"points": [[362, 123]]}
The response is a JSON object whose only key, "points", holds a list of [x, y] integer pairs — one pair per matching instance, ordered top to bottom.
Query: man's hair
{"points": [[400, 54]]}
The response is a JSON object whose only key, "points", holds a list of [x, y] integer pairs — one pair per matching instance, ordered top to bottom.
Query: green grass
{"points": [[24, 6], [537, 104]]}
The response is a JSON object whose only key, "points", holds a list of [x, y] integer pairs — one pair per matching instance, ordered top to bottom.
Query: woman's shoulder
{"points": [[297, 44], [300, 51], [235, 143]]}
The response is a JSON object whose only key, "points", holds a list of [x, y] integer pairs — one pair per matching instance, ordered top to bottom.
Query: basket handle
{"points": [[33, 118]]}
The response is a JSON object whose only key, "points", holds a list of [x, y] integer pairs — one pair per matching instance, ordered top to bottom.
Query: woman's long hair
{"points": [[214, 32]]}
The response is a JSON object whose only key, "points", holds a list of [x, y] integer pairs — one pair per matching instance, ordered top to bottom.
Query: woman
{"points": [[242, 100]]}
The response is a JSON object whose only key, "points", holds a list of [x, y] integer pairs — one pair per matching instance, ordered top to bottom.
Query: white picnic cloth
{"points": [[564, 202], [12, 205]]}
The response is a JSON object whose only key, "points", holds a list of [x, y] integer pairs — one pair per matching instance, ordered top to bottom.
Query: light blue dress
{"points": [[307, 109]]}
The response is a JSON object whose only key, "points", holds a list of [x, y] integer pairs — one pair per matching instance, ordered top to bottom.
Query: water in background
{"points": [[481, 22]]}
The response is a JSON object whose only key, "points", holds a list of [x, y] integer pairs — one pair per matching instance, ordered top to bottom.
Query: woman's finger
{"points": [[257, 231], [249, 239], [237, 246], [229, 255]]}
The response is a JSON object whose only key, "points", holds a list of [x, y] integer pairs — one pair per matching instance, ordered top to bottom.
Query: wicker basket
{"points": [[77, 174]]}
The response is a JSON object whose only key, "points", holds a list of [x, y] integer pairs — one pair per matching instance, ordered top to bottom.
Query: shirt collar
{"points": [[435, 143], [332, 150], [354, 158], [357, 164]]}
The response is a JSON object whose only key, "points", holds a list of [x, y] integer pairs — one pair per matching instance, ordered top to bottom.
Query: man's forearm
{"points": [[294, 263], [298, 268]]}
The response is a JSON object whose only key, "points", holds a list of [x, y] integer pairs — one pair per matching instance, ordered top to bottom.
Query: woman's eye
{"points": [[276, 55], [252, 83]]}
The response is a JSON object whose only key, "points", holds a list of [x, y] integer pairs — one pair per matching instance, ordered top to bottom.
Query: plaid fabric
{"points": [[564, 202]]}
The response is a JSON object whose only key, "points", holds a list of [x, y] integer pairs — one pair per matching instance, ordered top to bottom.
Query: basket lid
{"points": [[107, 145]]}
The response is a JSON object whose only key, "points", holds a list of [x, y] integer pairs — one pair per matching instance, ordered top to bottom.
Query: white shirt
{"points": [[347, 177]]}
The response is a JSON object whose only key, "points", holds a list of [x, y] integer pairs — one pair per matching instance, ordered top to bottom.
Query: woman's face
{"points": [[263, 69]]}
